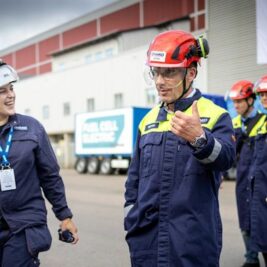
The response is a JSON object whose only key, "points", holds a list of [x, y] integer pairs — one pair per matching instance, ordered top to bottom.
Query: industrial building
{"points": [[96, 62]]}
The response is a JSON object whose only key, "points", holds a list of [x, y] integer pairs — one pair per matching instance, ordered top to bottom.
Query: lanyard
{"points": [[4, 152]]}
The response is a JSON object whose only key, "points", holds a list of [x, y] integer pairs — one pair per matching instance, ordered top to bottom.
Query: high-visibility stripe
{"points": [[207, 109], [209, 114], [237, 123], [259, 125], [263, 129], [214, 154], [127, 209]]}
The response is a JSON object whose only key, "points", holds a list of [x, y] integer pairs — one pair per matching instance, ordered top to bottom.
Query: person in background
{"points": [[246, 125], [28, 167], [258, 177], [172, 213]]}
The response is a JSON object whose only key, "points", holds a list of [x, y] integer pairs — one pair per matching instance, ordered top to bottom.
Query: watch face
{"points": [[200, 142]]}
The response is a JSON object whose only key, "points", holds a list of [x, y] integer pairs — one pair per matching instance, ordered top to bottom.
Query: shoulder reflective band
{"points": [[4, 152]]}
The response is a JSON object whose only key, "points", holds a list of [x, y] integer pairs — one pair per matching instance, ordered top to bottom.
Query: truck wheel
{"points": [[80, 165], [93, 165], [105, 167], [122, 171]]}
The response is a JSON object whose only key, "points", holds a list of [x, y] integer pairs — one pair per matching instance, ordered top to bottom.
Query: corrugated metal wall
{"points": [[232, 39]]}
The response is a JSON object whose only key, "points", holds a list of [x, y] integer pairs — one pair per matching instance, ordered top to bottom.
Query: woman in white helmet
{"points": [[27, 165]]}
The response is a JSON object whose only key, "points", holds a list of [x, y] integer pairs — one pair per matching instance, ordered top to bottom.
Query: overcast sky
{"points": [[23, 19]]}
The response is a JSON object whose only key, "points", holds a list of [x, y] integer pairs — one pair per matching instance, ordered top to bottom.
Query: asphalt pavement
{"points": [[97, 204]]}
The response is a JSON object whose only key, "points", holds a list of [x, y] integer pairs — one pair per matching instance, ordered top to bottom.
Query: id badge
{"points": [[7, 179]]}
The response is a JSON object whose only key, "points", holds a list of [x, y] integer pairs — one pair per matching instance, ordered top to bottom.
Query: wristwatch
{"points": [[199, 141]]}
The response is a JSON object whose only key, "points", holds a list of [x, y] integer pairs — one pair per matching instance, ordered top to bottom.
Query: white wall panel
{"points": [[232, 39], [120, 74]]}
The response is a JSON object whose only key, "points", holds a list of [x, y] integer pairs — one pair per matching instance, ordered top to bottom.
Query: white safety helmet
{"points": [[7, 74]]}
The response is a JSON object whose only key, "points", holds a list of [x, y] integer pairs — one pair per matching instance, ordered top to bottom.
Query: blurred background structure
{"points": [[95, 62]]}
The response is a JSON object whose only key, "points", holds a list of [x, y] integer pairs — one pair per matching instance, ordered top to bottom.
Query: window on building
{"points": [[109, 52], [99, 56], [88, 59], [61, 66], [151, 97], [118, 100], [90, 104], [66, 109], [46, 112]]}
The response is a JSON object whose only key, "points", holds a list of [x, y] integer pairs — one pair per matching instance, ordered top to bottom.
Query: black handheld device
{"points": [[65, 236]]}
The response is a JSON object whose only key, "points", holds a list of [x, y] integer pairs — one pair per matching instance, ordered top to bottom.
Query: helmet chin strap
{"points": [[185, 90], [249, 105]]}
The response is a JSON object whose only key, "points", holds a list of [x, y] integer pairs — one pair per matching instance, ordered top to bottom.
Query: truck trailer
{"points": [[105, 140]]}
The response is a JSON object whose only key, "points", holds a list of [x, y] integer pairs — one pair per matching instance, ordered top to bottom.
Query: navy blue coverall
{"points": [[246, 130], [245, 148], [259, 193], [172, 214], [23, 224]]}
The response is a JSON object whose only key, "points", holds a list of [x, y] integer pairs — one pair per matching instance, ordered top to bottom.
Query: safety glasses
{"points": [[166, 73], [263, 94]]}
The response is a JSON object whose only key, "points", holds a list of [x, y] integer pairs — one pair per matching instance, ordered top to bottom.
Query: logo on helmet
{"points": [[158, 56], [263, 85]]}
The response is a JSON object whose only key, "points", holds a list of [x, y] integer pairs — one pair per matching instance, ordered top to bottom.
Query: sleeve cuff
{"points": [[210, 152], [63, 214]]}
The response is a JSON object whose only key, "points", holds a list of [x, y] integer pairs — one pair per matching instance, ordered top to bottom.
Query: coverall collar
{"points": [[12, 121]]}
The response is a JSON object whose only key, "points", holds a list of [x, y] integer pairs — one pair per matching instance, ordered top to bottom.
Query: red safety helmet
{"points": [[176, 49], [261, 85], [241, 90]]}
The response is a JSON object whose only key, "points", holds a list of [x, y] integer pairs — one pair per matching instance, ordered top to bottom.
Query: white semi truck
{"points": [[105, 140]]}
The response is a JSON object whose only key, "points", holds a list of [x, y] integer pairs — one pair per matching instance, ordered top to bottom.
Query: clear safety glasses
{"points": [[152, 73], [166, 73], [263, 94]]}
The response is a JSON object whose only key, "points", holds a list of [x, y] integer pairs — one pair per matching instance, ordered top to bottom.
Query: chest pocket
{"points": [[24, 137], [22, 146], [150, 146]]}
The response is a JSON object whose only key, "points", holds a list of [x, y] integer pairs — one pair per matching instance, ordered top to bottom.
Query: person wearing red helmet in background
{"points": [[261, 89], [246, 125], [258, 176], [171, 206]]}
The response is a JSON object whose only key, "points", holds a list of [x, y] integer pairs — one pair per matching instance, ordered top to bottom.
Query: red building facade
{"points": [[35, 59]]}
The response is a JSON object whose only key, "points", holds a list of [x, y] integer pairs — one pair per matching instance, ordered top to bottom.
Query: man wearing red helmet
{"points": [[261, 90], [246, 125], [258, 177], [171, 211]]}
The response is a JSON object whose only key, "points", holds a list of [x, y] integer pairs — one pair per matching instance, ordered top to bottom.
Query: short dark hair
{"points": [[193, 64]]}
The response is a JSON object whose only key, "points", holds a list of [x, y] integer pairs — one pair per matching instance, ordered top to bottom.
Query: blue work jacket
{"points": [[245, 149], [36, 170], [258, 177], [171, 211]]}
